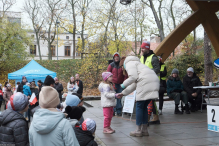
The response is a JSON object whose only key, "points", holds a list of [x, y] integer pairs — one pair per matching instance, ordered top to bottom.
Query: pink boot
{"points": [[107, 130], [112, 130]]}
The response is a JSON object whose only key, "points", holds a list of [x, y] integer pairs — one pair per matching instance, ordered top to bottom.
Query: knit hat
{"points": [[145, 45], [116, 54], [190, 69], [175, 71], [106, 75], [23, 77], [56, 79], [49, 80], [40, 81], [27, 83], [49, 97], [72, 100], [18, 102], [74, 112], [89, 125]]}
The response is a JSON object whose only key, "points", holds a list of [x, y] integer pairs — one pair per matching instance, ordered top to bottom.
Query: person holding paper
{"points": [[146, 83]]}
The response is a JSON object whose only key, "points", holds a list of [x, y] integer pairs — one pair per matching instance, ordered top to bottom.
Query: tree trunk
{"points": [[74, 30], [38, 44], [207, 59]]}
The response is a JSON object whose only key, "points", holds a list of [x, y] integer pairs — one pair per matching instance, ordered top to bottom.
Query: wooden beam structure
{"points": [[205, 14]]}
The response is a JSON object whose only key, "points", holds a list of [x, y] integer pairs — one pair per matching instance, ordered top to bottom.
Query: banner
{"points": [[129, 103]]}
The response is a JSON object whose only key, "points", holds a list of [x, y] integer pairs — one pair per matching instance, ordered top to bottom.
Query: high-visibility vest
{"points": [[148, 62], [162, 69]]}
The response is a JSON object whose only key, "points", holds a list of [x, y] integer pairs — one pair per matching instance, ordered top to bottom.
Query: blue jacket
{"points": [[174, 84], [26, 90], [51, 129]]}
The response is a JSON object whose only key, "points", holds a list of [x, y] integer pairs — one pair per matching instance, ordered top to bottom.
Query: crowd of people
{"points": [[57, 117]]}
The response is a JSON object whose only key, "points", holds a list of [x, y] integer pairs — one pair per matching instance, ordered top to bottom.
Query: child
{"points": [[7, 94], [108, 101], [80, 104], [74, 114], [13, 126], [85, 133]]}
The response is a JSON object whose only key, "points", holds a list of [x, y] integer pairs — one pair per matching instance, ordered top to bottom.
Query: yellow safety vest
{"points": [[162, 69]]}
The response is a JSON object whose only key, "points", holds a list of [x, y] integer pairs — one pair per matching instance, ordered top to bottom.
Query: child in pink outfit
{"points": [[108, 100]]}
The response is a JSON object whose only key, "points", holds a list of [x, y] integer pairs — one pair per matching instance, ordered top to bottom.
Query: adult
{"points": [[149, 59], [118, 79], [49, 81], [146, 83], [40, 84], [80, 84], [163, 84], [58, 86], [72, 86], [20, 87], [4, 88], [34, 90], [175, 91], [7, 94], [194, 95], [13, 126], [50, 127]]}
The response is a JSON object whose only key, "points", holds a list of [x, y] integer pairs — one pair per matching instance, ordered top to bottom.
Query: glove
{"points": [[123, 87]]}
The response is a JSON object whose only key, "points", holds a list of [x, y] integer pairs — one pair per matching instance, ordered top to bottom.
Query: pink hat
{"points": [[145, 45], [106, 75]]}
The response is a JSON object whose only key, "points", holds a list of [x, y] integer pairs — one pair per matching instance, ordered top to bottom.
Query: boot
{"points": [[187, 109], [177, 111], [149, 117], [155, 120], [107, 130], [112, 130], [144, 130], [137, 133]]}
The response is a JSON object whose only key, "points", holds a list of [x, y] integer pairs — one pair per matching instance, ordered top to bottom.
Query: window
{"points": [[67, 37], [33, 49], [53, 49], [67, 51]]}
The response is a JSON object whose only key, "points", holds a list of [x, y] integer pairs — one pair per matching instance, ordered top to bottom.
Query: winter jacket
{"points": [[155, 62], [117, 72], [163, 74], [140, 78], [189, 83], [80, 85], [174, 85], [20, 87], [40, 87], [72, 88], [59, 89], [26, 90], [1, 95], [7, 95], [107, 95], [74, 122], [13, 128], [50, 128], [85, 138]]}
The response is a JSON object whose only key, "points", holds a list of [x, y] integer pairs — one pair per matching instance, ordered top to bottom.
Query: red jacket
{"points": [[117, 72]]}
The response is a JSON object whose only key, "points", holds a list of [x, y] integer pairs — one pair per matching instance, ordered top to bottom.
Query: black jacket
{"points": [[163, 74], [189, 83], [80, 85], [20, 87], [59, 89], [13, 128], [85, 138]]}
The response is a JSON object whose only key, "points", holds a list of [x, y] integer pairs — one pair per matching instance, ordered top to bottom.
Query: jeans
{"points": [[177, 96], [118, 107], [142, 112], [108, 114]]}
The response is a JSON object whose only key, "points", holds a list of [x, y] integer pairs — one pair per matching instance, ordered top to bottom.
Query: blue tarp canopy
{"points": [[32, 71]]}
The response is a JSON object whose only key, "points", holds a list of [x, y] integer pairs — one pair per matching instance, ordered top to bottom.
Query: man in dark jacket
{"points": [[118, 79], [79, 83], [40, 84], [58, 86], [20, 87], [194, 95], [13, 125]]}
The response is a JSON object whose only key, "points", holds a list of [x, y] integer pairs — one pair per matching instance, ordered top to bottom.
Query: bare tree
{"points": [[5, 5], [33, 9]]}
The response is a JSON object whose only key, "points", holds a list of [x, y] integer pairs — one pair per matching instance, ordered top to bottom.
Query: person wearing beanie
{"points": [[149, 59], [118, 78], [49, 81], [79, 84], [40, 85], [58, 86], [72, 86], [20, 87], [176, 91], [7, 94], [194, 95], [71, 100], [108, 100], [80, 104], [74, 114], [49, 123], [13, 125], [85, 133]]}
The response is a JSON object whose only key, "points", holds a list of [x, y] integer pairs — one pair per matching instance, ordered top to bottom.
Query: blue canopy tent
{"points": [[33, 72]]}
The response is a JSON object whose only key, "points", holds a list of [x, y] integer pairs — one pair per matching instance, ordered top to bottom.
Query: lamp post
{"points": [[57, 24]]}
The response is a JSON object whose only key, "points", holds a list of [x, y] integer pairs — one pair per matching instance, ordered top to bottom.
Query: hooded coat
{"points": [[116, 70], [140, 78], [190, 82], [174, 85], [26, 90], [13, 128], [51, 129]]}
